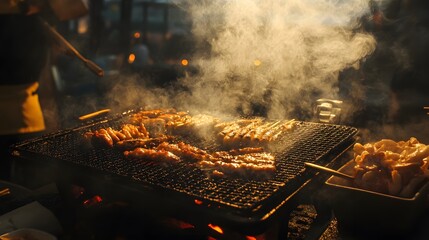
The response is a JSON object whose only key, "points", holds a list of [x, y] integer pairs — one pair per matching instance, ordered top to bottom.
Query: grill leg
{"points": [[284, 226]]}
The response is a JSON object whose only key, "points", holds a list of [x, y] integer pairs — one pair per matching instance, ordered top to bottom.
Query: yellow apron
{"points": [[20, 109]]}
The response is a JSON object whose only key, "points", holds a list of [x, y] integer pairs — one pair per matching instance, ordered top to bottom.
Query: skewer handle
{"points": [[88, 63], [94, 68], [94, 114], [328, 170], [4, 192]]}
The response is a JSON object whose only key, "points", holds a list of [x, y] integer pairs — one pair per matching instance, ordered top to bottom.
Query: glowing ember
{"points": [[92, 201], [198, 202], [178, 223], [216, 228]]}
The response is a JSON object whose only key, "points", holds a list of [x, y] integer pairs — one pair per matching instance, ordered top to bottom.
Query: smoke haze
{"points": [[275, 57]]}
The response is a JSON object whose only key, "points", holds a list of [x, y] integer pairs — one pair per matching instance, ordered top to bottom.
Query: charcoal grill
{"points": [[247, 204]]}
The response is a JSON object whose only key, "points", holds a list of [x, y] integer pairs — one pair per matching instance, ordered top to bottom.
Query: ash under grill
{"points": [[309, 142]]}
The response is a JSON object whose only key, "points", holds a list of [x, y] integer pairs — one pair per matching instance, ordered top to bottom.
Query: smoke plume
{"points": [[272, 57]]}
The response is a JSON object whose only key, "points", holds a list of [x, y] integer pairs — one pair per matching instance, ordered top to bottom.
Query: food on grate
{"points": [[136, 117], [160, 118], [173, 122], [200, 124], [155, 126], [135, 131], [252, 132], [237, 133], [151, 134], [110, 136], [129, 144], [246, 150], [185, 151], [152, 154], [237, 162], [245, 165], [395, 168]]}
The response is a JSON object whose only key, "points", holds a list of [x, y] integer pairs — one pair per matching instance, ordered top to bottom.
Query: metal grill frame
{"points": [[326, 141]]}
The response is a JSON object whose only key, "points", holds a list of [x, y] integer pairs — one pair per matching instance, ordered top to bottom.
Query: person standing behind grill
{"points": [[24, 51]]}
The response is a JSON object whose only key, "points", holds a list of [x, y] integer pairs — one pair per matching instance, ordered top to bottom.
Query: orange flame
{"points": [[137, 35], [216, 228], [250, 238]]}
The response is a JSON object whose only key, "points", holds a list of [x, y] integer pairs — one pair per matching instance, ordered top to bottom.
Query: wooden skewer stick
{"points": [[94, 114], [4, 192]]}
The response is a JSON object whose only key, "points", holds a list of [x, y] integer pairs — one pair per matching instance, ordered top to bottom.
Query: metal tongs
{"points": [[58, 37]]}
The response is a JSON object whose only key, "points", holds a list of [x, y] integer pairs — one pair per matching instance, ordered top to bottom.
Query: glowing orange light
{"points": [[82, 26], [137, 35], [131, 58], [184, 62], [257, 62], [98, 199], [92, 201], [198, 202], [178, 224], [184, 225], [216, 228], [250, 238]]}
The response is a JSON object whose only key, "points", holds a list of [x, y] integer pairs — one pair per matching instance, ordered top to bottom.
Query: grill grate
{"points": [[309, 142]]}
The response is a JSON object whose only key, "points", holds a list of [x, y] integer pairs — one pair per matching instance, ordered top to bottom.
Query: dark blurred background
{"points": [[146, 39], [151, 41]]}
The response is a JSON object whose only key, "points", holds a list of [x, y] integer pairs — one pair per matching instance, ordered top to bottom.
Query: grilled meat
{"points": [[151, 113], [198, 124], [253, 132], [150, 134], [110, 136], [130, 144], [246, 150], [185, 151], [152, 154], [245, 165]]}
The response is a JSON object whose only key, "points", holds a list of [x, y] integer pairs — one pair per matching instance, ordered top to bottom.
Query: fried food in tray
{"points": [[390, 167]]}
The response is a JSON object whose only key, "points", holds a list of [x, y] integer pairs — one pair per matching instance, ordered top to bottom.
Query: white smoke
{"points": [[272, 54]]}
